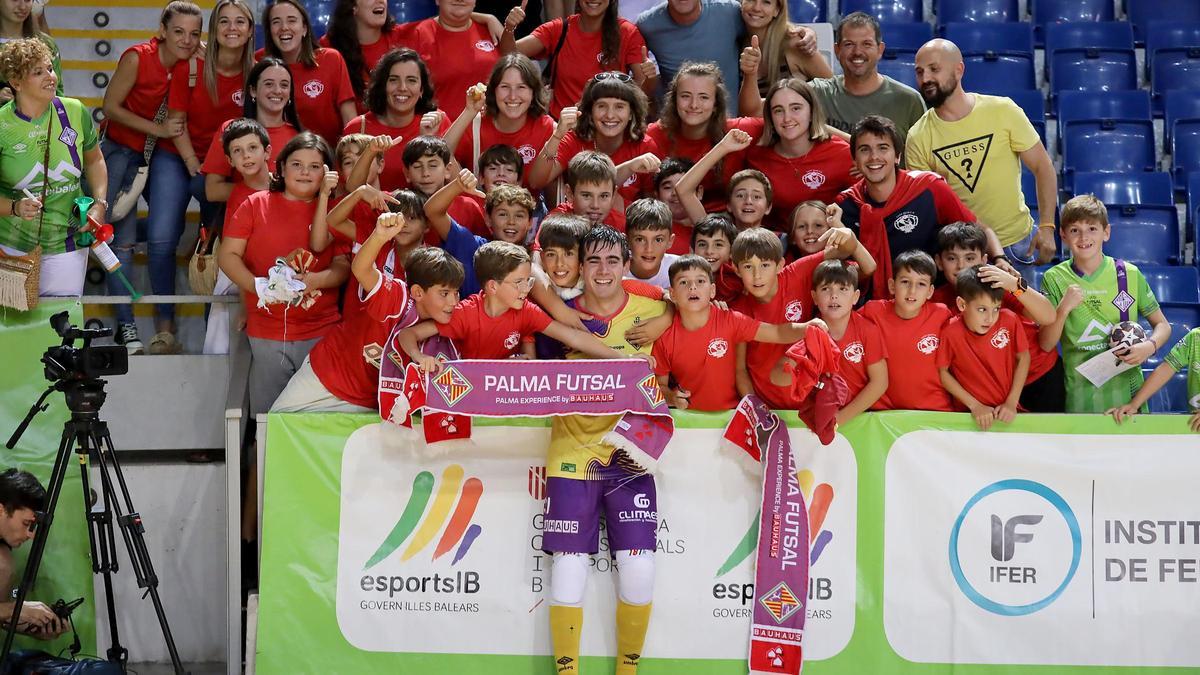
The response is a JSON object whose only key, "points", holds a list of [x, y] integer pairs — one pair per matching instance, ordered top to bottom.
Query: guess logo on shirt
{"points": [[485, 46], [313, 88], [237, 97], [527, 153], [813, 179], [794, 310], [1000, 339], [511, 341], [928, 344], [717, 348], [853, 352]]}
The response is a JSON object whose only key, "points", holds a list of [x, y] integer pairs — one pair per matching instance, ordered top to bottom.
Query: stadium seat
{"points": [[406, 11], [806, 11], [886, 11], [949, 11], [1047, 12], [1141, 12], [1170, 34], [1100, 35], [905, 37], [981, 38], [899, 66], [1174, 68], [1092, 70], [994, 73], [1031, 102], [1178, 104], [1073, 106], [1112, 146], [1185, 150], [1126, 188], [1193, 203], [1144, 234], [1034, 273], [1172, 283], [1185, 315], [1172, 398]]}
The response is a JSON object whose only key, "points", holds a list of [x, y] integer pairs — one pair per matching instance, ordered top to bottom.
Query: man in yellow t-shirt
{"points": [[978, 143], [588, 478]]}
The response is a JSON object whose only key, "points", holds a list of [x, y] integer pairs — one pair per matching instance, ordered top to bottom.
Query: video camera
{"points": [[67, 362]]}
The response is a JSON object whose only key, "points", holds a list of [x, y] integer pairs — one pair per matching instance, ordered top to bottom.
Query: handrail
{"points": [[160, 299]]}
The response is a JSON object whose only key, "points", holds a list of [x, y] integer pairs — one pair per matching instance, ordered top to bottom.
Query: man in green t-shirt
{"points": [[861, 90], [1113, 291], [1184, 355]]}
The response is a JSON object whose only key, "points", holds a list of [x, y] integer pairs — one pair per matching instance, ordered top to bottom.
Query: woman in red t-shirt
{"points": [[597, 40], [459, 52], [136, 93], [325, 97], [268, 99], [401, 105], [514, 114], [611, 119], [694, 120], [797, 153], [274, 224]]}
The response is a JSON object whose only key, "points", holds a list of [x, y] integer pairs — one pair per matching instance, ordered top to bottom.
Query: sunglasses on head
{"points": [[612, 75]]}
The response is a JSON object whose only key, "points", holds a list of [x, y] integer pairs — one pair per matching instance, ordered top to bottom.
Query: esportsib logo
{"points": [[453, 493], [818, 499], [1015, 547]]}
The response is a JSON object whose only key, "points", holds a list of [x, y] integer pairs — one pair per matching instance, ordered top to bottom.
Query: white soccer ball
{"points": [[1126, 334]]}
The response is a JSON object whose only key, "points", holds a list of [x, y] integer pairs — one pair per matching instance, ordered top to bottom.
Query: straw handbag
{"points": [[202, 268], [21, 275]]}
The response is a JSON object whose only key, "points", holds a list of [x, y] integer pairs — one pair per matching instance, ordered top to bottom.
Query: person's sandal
{"points": [[165, 343]]}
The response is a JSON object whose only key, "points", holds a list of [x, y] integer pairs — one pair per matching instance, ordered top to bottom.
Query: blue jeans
{"points": [[122, 163], [169, 191], [1018, 251]]}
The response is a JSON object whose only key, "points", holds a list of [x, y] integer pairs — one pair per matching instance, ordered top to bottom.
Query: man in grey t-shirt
{"points": [[695, 30], [861, 90]]}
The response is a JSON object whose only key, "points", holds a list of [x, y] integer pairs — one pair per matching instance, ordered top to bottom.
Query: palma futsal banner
{"points": [[1061, 544]]}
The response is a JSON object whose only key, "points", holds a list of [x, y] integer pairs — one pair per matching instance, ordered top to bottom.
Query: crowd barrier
{"points": [[1062, 544]]}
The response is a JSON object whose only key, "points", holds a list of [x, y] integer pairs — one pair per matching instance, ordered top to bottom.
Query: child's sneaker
{"points": [[127, 335]]}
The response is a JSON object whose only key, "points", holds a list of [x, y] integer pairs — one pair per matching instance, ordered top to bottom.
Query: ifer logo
{"points": [[452, 385], [650, 389], [453, 493], [818, 499], [1030, 557], [781, 602]]}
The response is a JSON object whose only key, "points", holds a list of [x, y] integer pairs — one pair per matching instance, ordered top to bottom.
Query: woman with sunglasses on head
{"points": [[18, 20], [596, 40], [135, 96], [325, 97], [268, 100], [513, 109], [611, 118]]}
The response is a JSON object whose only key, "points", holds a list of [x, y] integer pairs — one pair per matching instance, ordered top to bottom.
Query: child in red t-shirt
{"points": [[247, 147], [348, 151], [669, 172], [590, 190], [750, 193], [648, 226], [712, 239], [963, 245], [494, 323], [911, 327], [699, 349], [984, 355], [864, 357], [341, 373]]}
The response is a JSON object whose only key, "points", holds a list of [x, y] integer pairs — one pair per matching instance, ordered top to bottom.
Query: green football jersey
{"points": [[22, 149], [1086, 330], [1186, 354]]}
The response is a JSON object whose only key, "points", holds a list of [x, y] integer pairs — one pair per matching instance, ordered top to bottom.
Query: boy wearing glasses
{"points": [[494, 323]]}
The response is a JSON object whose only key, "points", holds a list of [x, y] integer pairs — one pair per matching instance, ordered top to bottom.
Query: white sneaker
{"points": [[127, 335]]}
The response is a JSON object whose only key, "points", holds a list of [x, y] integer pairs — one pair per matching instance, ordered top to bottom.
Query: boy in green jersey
{"points": [[1112, 291], [1185, 354]]}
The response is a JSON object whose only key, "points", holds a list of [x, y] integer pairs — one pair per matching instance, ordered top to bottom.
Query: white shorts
{"points": [[62, 274], [305, 393]]}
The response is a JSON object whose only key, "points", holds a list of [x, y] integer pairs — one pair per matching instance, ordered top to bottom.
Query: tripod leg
{"points": [[132, 530], [101, 538], [38, 548]]}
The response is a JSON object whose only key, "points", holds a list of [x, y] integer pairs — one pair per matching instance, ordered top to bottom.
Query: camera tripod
{"points": [[86, 436]]}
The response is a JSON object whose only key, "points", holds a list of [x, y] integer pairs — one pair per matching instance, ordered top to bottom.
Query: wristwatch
{"points": [[1022, 286]]}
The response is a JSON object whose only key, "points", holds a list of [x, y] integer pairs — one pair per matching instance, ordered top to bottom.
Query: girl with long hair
{"points": [[774, 49]]}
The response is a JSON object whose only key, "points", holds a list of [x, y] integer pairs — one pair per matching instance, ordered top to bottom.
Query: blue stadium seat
{"points": [[405, 11], [805, 11], [886, 11], [949, 11], [1047, 12], [1141, 12], [1170, 34], [1100, 35], [905, 37], [981, 38], [899, 66], [1174, 68], [1092, 70], [994, 73], [1178, 104], [1033, 105], [1072, 106], [1112, 146], [1185, 150], [1029, 188], [1126, 188], [1193, 203], [1144, 234], [1034, 273], [1172, 283], [1185, 315], [1172, 398]]}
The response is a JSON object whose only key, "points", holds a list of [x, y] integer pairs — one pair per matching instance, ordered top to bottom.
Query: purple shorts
{"points": [[573, 509]]}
